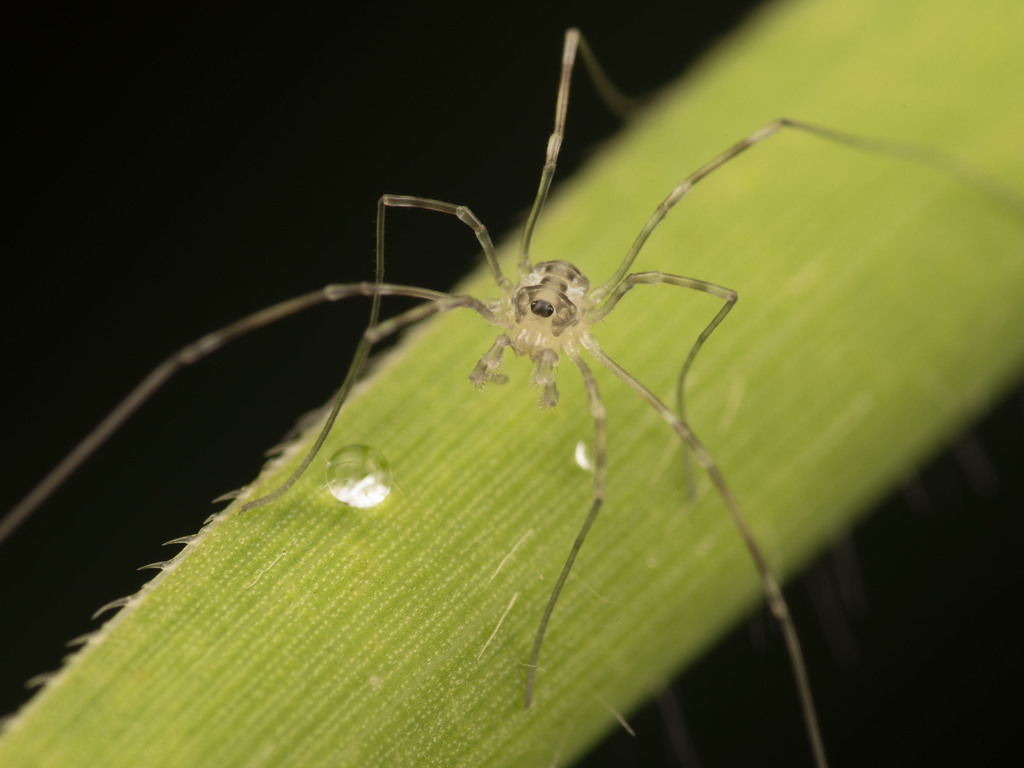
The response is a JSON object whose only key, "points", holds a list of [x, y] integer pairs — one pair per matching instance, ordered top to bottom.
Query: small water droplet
{"points": [[585, 456], [359, 476]]}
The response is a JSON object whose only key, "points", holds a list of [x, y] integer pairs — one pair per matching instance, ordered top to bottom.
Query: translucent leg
{"points": [[617, 103], [911, 152], [681, 190], [461, 212], [727, 295], [439, 302], [375, 332], [209, 344], [600, 481], [769, 583]]}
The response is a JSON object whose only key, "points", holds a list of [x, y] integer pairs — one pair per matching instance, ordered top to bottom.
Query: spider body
{"points": [[546, 316]]}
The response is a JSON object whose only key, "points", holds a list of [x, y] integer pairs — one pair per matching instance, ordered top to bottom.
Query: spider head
{"points": [[544, 309]]}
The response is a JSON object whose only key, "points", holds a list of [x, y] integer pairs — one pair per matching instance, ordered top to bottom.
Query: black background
{"points": [[174, 169]]}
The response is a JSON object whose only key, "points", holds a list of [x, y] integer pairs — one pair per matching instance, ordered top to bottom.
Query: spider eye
{"points": [[542, 308]]}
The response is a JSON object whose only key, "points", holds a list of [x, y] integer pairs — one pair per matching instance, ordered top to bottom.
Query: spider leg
{"points": [[572, 39], [617, 103], [911, 152], [929, 157], [681, 190], [461, 212], [727, 295], [437, 302], [210, 343], [194, 352], [188, 355], [113, 421], [600, 481], [769, 582]]}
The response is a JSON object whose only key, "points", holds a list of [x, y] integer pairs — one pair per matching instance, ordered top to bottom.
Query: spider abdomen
{"points": [[563, 277]]}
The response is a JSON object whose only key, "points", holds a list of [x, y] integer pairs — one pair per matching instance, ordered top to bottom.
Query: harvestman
{"points": [[548, 312]]}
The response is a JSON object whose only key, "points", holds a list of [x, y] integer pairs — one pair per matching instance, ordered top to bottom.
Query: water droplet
{"points": [[585, 456], [359, 476]]}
